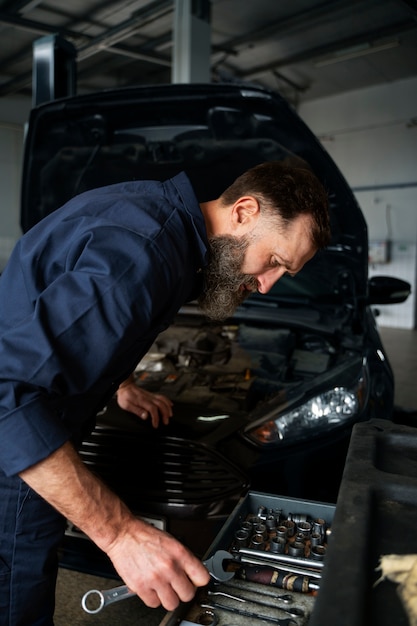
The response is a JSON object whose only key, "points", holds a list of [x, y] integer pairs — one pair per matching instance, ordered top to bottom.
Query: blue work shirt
{"points": [[82, 298]]}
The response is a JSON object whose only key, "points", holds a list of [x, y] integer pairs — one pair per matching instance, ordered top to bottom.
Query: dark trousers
{"points": [[30, 534]]}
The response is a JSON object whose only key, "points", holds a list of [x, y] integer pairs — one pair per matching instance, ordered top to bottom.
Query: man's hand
{"points": [[143, 403], [152, 563], [156, 566]]}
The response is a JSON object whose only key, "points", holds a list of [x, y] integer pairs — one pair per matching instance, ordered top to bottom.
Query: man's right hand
{"points": [[156, 566]]}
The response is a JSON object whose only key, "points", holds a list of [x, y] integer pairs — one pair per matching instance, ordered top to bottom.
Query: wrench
{"points": [[214, 564], [287, 598], [232, 609], [293, 611]]}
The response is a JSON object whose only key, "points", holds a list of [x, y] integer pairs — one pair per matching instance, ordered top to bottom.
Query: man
{"points": [[84, 295]]}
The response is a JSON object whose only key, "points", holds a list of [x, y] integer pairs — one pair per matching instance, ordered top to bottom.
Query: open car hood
{"points": [[214, 132]]}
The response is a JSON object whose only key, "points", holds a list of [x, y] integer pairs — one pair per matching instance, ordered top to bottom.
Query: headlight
{"points": [[323, 412]]}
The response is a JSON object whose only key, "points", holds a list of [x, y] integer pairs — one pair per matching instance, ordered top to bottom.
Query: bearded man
{"points": [[84, 295]]}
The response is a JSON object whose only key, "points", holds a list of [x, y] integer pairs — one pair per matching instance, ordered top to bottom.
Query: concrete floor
{"points": [[401, 347], [71, 587]]}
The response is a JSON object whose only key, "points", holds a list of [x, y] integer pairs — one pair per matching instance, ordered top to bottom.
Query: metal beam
{"points": [[287, 25], [39, 28], [123, 30], [333, 47]]}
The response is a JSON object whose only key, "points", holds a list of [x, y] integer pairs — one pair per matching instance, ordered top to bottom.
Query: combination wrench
{"points": [[214, 564], [294, 611], [276, 620]]}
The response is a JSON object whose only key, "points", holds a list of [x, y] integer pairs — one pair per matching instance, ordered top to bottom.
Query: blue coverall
{"points": [[82, 298]]}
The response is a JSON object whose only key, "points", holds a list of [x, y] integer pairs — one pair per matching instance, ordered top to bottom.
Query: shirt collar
{"points": [[184, 188]]}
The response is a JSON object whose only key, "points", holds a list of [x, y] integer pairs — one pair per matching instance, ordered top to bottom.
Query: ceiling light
{"points": [[356, 51]]}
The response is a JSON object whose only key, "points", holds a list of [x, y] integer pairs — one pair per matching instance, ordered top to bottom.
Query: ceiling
{"points": [[306, 49]]}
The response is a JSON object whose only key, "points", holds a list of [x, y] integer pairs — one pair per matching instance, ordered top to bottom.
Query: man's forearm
{"points": [[63, 480], [151, 562]]}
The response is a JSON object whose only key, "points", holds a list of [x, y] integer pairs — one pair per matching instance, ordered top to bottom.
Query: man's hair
{"points": [[287, 191]]}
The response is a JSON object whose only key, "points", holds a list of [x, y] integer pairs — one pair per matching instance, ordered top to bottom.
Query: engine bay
{"points": [[232, 368]]}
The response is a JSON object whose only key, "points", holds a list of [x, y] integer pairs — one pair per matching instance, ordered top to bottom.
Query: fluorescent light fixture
{"points": [[357, 51]]}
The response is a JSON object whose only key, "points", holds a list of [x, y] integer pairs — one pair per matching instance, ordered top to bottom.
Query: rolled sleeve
{"points": [[59, 361], [29, 434]]}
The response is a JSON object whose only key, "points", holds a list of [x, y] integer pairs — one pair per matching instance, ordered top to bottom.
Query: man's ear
{"points": [[245, 214]]}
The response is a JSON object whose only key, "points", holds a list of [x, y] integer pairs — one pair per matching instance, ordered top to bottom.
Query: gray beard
{"points": [[223, 277]]}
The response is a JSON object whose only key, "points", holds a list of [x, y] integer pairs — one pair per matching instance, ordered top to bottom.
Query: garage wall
{"points": [[372, 136]]}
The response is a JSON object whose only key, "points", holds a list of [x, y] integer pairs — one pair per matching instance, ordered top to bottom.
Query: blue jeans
{"points": [[30, 533]]}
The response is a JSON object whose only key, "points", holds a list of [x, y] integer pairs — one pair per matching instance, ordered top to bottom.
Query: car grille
{"points": [[163, 473]]}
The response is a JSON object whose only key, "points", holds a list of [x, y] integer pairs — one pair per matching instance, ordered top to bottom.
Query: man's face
{"points": [[239, 266], [224, 280]]}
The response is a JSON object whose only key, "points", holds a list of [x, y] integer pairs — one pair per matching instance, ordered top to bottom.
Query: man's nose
{"points": [[268, 279]]}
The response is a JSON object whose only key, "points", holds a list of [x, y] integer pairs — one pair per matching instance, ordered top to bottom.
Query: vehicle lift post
{"points": [[54, 69]]}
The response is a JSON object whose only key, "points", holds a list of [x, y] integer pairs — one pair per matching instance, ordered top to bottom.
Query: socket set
{"points": [[294, 540], [278, 547]]}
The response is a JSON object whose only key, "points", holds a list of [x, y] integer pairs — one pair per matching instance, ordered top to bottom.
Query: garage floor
{"points": [[401, 346], [71, 587]]}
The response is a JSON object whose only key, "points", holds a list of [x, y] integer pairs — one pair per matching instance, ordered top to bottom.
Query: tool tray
{"points": [[259, 506]]}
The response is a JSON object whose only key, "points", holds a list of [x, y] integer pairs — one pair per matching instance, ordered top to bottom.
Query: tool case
{"points": [[375, 515], [267, 606]]}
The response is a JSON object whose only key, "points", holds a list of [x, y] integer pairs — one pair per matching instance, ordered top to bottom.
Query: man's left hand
{"points": [[143, 403]]}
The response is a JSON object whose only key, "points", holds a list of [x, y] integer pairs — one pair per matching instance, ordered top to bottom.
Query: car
{"points": [[265, 400]]}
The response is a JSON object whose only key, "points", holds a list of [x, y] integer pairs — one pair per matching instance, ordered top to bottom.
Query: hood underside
{"points": [[213, 132]]}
